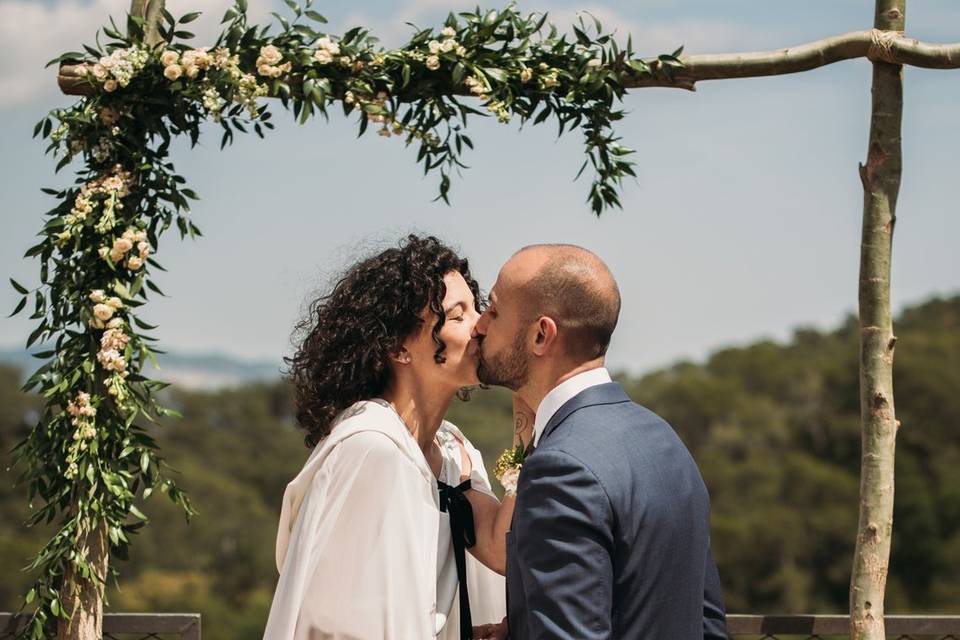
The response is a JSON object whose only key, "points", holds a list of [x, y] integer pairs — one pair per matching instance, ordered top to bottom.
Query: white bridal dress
{"points": [[363, 550]]}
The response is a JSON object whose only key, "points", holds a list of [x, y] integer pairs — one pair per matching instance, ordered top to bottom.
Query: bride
{"points": [[373, 528]]}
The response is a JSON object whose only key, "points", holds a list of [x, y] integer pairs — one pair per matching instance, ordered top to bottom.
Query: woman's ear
{"points": [[401, 357]]}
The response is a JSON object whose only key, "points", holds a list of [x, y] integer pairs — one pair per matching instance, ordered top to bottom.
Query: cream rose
{"points": [[448, 32], [448, 45], [434, 46], [270, 54], [168, 58], [433, 63], [172, 72], [192, 72], [110, 86], [134, 263], [97, 296], [114, 303], [103, 312]]}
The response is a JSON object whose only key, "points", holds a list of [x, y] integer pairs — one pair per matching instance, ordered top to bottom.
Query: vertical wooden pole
{"points": [[881, 185]]}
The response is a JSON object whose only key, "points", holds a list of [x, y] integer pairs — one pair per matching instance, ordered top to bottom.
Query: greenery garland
{"points": [[90, 458]]}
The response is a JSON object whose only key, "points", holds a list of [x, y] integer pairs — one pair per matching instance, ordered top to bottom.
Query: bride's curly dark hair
{"points": [[351, 332]]}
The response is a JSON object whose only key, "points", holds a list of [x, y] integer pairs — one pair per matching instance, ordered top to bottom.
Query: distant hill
{"points": [[197, 372]]}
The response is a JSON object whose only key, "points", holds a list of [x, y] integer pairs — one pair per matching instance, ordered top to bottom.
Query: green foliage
{"points": [[773, 428]]}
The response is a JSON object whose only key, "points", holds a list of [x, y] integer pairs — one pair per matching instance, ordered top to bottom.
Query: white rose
{"points": [[448, 32], [448, 45], [434, 46], [461, 50], [270, 54], [322, 56], [168, 58], [433, 63], [172, 72], [110, 85], [97, 296], [103, 312], [115, 323], [509, 480]]}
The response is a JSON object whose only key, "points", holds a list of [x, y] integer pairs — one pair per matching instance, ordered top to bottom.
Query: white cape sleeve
{"points": [[360, 563]]}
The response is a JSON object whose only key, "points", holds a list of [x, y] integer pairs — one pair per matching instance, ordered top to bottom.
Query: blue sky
{"points": [[744, 222]]}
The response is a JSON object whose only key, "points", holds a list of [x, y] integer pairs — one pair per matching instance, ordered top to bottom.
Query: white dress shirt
{"points": [[564, 391]]}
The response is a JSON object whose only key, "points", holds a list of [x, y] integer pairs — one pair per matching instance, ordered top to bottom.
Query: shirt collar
{"points": [[564, 391]]}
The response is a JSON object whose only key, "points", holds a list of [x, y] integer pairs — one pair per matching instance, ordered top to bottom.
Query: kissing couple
{"points": [[391, 530]]}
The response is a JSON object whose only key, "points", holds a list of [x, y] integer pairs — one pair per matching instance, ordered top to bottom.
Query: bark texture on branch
{"points": [[876, 44], [881, 184], [83, 598]]}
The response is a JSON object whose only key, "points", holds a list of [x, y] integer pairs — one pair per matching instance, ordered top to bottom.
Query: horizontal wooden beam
{"points": [[874, 45]]}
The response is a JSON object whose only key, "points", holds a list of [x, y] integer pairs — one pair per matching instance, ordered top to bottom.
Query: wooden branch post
{"points": [[881, 184], [82, 597]]}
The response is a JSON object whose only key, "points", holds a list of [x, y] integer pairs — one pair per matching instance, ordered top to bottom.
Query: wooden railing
{"points": [[126, 626], [186, 626], [744, 627]]}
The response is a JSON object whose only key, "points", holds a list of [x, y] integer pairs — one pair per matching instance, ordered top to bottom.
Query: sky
{"points": [[744, 222]]}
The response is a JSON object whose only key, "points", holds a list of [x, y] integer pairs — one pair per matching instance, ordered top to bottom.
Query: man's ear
{"points": [[546, 336]]}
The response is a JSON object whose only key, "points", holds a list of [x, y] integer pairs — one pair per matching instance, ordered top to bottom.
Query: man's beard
{"points": [[508, 369]]}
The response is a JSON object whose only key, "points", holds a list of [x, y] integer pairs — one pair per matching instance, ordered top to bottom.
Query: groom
{"points": [[611, 531]]}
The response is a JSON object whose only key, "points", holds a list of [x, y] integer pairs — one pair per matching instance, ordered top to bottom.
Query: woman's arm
{"points": [[492, 518]]}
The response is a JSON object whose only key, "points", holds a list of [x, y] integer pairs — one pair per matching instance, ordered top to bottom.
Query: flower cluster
{"points": [[446, 45], [326, 51], [268, 62], [190, 63], [119, 68], [549, 76], [477, 87], [107, 191], [124, 245], [103, 308], [112, 344], [82, 414]]}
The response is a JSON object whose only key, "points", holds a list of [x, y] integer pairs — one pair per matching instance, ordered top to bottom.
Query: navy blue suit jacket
{"points": [[611, 531]]}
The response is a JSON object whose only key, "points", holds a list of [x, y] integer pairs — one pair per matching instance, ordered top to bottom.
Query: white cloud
{"points": [[35, 32]]}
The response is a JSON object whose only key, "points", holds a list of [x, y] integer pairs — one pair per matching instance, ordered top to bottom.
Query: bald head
{"points": [[575, 288]]}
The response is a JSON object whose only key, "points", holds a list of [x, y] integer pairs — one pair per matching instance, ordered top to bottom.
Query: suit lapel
{"points": [[607, 393]]}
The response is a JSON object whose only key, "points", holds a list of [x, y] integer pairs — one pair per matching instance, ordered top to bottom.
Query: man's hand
{"points": [[493, 631]]}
